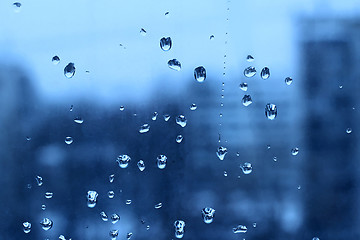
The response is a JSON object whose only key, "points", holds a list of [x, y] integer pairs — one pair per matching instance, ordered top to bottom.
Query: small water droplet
{"points": [[16, 6], [167, 14], [143, 32], [212, 37], [165, 43], [249, 58], [55, 60], [174, 64], [69, 70], [249, 72], [265, 73], [200, 74], [288, 81], [243, 86], [340, 86], [246, 100], [193, 107], [71, 108], [122, 108], [270, 111], [154, 116], [166, 117], [78, 120], [181, 120], [144, 128], [348, 130], [28, 138], [179, 138], [68, 140], [268, 146], [294, 151], [221, 152], [238, 154], [275, 159], [123, 160], [161, 161], [141, 165], [246, 168], [225, 174], [111, 178], [39, 180], [299, 187], [111, 194], [48, 195], [92, 198], [128, 202], [159, 205], [43, 207], [208, 215], [104, 217], [114, 218], [46, 224], [254, 224], [26, 227], [147, 227], [179, 228], [240, 229], [113, 234], [128, 235], [62, 237], [316, 238]]}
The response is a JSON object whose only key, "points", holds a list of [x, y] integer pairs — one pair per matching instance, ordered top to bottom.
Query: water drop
{"points": [[167, 14], [143, 32], [212, 37], [165, 43], [249, 58], [55, 60], [174, 64], [69, 70], [249, 72], [265, 73], [200, 74], [288, 81], [243, 86], [246, 100], [193, 107], [71, 108], [122, 108], [270, 111], [154, 116], [166, 117], [78, 120], [181, 120], [144, 128], [348, 130], [28, 138], [179, 138], [68, 140], [268, 146], [294, 151], [221, 152], [238, 154], [275, 159], [123, 160], [161, 161], [141, 165], [246, 168], [225, 174], [111, 178], [39, 180], [28, 186], [299, 187], [111, 194], [48, 195], [92, 198], [128, 202], [159, 205], [43, 207], [208, 215], [104, 217], [114, 218], [46, 224], [254, 224], [26, 227], [147, 227], [179, 228], [240, 229], [113, 234], [128, 235], [62, 237], [316, 238]]}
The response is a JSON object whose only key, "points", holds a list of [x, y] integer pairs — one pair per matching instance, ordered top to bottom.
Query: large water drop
{"points": [[165, 43], [55, 60], [174, 64], [69, 70], [249, 72], [265, 73], [200, 74], [288, 81], [243, 86], [246, 100], [270, 111], [181, 120], [144, 128], [179, 138], [69, 140], [221, 152], [123, 160], [161, 161], [141, 165], [246, 168], [92, 198], [208, 215], [104, 217], [114, 218], [46, 224], [26, 227], [179, 228], [240, 229], [113, 234]]}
